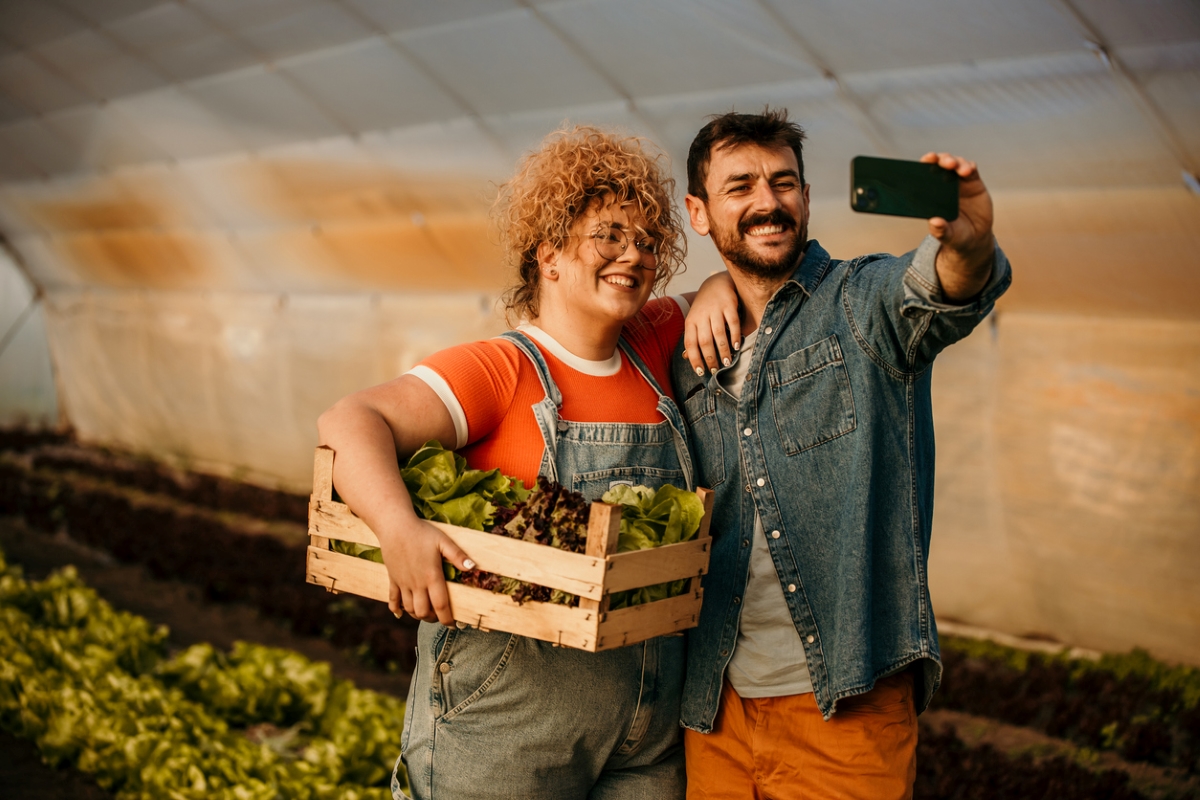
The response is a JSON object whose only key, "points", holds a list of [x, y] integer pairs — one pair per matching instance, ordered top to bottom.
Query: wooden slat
{"points": [[323, 474], [336, 521], [604, 530], [668, 563], [342, 573], [576, 573], [638, 623], [563, 625]]}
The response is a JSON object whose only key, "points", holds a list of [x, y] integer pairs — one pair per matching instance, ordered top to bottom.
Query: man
{"points": [[817, 646]]}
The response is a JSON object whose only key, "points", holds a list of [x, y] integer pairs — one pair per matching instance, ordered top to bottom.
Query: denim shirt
{"points": [[832, 443]]}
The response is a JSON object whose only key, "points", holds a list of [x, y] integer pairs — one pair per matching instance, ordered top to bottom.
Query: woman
{"points": [[579, 393]]}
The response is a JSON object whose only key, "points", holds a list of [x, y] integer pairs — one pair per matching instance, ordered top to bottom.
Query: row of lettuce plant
{"points": [[94, 688]]}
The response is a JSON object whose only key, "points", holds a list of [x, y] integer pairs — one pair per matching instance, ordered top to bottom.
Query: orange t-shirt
{"points": [[490, 386]]}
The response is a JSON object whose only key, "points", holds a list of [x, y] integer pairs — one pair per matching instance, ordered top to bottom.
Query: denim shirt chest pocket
{"points": [[811, 398]]}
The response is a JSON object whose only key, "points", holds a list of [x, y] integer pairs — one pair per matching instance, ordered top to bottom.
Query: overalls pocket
{"points": [[596, 483], [470, 666]]}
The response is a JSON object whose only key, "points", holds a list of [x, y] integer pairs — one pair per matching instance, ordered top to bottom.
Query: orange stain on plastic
{"points": [[121, 241]]}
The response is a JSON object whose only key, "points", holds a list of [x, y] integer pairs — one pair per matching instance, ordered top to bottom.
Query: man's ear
{"points": [[697, 213]]}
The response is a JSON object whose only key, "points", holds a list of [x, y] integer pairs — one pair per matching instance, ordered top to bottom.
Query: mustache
{"points": [[776, 217]]}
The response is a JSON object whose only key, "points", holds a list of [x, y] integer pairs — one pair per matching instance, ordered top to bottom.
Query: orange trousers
{"points": [[780, 748]]}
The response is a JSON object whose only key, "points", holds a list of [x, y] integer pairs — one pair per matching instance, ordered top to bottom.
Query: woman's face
{"points": [[606, 269]]}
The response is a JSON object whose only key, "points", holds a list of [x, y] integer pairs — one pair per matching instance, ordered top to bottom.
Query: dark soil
{"points": [[228, 557], [1128, 715], [949, 769], [25, 777]]}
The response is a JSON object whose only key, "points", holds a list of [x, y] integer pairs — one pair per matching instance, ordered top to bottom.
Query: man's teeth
{"points": [[765, 230], [620, 280]]}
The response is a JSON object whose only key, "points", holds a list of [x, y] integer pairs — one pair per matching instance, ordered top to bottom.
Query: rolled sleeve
{"points": [[923, 289]]}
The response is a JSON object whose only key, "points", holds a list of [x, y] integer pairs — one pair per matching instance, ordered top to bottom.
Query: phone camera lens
{"points": [[866, 198]]}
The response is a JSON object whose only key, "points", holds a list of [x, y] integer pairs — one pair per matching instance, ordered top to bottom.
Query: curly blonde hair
{"points": [[555, 185]]}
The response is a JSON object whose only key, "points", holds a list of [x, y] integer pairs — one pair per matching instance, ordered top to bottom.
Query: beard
{"points": [[733, 246]]}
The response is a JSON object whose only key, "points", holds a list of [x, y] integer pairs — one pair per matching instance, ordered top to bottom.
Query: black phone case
{"points": [[902, 188]]}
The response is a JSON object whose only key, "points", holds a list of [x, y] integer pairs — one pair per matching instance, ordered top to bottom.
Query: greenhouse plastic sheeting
{"points": [[234, 383], [27, 396]]}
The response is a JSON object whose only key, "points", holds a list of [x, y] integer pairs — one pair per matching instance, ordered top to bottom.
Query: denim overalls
{"points": [[496, 715]]}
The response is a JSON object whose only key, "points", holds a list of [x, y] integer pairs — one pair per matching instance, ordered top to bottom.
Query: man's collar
{"points": [[812, 267]]}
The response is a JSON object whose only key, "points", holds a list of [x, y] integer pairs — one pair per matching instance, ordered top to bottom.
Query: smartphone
{"points": [[902, 188]]}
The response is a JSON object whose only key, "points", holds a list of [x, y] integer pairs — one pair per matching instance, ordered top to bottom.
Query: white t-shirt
{"points": [[768, 658]]}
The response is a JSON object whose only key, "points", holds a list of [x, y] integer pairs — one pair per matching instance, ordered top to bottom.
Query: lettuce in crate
{"points": [[443, 489], [555, 516]]}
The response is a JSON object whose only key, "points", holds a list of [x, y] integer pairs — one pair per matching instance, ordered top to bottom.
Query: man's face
{"points": [[757, 209]]}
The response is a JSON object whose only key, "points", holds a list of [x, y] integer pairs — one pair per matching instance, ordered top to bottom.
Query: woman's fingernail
{"points": [[737, 345], [726, 362], [700, 371], [469, 564]]}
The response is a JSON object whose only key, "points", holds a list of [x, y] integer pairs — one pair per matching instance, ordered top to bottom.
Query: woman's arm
{"points": [[712, 324], [368, 430]]}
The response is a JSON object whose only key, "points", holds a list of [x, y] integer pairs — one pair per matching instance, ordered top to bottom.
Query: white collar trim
{"points": [[599, 369]]}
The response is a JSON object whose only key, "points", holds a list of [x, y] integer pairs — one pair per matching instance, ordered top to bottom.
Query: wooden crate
{"points": [[592, 576]]}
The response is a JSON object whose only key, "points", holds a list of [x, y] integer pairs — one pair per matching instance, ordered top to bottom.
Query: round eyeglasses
{"points": [[611, 243]]}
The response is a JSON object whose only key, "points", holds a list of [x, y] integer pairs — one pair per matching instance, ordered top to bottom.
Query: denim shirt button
{"points": [[768, 331], [748, 431], [761, 482], [747, 487], [774, 534], [745, 542], [791, 587], [737, 601], [811, 639], [724, 652], [444, 667]]}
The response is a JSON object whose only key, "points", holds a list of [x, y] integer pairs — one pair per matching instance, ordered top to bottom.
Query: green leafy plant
{"points": [[444, 489], [651, 519], [92, 687]]}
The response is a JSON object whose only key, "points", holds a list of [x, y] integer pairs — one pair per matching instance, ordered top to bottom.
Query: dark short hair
{"points": [[772, 128]]}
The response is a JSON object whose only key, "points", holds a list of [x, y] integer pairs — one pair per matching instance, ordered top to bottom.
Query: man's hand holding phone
{"points": [[946, 190], [964, 262]]}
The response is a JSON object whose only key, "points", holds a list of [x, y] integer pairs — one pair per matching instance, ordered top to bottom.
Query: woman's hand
{"points": [[712, 330], [368, 430], [413, 557]]}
